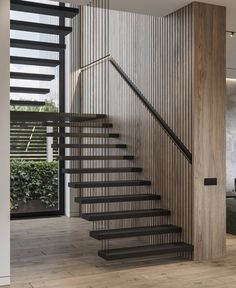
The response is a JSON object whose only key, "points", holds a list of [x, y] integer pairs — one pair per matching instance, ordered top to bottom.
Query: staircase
{"points": [[28, 137], [112, 193], [116, 215]]}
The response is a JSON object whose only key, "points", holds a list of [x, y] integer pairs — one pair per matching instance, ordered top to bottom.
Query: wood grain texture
{"points": [[156, 53], [178, 63], [209, 138], [57, 253]]}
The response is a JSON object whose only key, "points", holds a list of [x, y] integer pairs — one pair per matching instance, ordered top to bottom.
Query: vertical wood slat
{"points": [[156, 53], [168, 92]]}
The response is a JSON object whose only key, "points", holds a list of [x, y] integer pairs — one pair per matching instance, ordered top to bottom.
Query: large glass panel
{"points": [[34, 169]]}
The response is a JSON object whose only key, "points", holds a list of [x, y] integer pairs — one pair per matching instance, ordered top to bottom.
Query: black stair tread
{"points": [[46, 9], [40, 28], [37, 45], [34, 61], [32, 76], [29, 90], [26, 103], [41, 116], [78, 125], [26, 127], [28, 132], [22, 134], [89, 135], [20, 139], [86, 146], [29, 149], [30, 155], [111, 157], [102, 170], [121, 183], [117, 198], [128, 214], [134, 232], [142, 251]]}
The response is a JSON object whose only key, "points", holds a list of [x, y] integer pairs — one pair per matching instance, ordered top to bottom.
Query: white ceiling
{"points": [[164, 7]]}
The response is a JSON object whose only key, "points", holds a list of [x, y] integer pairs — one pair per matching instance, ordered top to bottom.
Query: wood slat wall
{"points": [[156, 53], [161, 57]]}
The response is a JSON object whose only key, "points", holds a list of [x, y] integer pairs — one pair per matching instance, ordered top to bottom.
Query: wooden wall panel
{"points": [[156, 53], [174, 60], [209, 130]]}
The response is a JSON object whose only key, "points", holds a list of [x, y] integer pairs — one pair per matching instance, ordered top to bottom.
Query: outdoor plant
{"points": [[48, 107], [33, 180]]}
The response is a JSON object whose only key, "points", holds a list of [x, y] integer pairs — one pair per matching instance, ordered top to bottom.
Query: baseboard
{"points": [[4, 281]]}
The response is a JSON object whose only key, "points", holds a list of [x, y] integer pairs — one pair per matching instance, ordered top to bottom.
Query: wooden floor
{"points": [[57, 253]]}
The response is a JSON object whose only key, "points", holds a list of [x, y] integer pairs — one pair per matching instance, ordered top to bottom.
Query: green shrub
{"points": [[49, 107], [32, 180]]}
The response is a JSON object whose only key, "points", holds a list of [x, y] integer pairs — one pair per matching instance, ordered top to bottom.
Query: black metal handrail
{"points": [[147, 104]]}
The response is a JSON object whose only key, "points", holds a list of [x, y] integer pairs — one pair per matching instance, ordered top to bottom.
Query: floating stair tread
{"points": [[46, 9], [40, 28], [37, 45], [34, 61], [32, 76], [29, 90], [26, 103], [41, 116], [78, 125], [25, 134], [89, 135], [15, 139], [86, 146], [31, 155], [111, 157], [102, 170], [95, 184], [117, 198], [113, 215], [134, 232], [142, 251]]}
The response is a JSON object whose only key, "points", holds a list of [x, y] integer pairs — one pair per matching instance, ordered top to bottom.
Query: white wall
{"points": [[4, 144]]}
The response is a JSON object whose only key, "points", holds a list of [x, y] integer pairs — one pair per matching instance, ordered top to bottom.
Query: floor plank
{"points": [[58, 253]]}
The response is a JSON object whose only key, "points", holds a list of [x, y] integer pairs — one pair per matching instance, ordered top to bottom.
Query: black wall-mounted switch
{"points": [[210, 181]]}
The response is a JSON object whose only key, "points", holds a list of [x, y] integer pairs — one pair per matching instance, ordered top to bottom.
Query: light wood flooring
{"points": [[58, 253]]}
